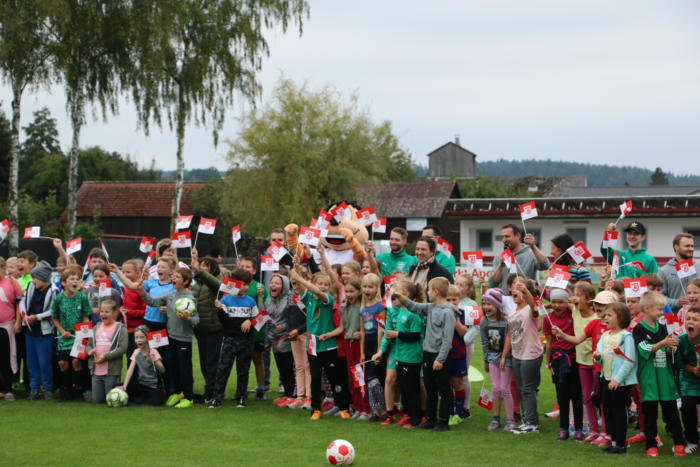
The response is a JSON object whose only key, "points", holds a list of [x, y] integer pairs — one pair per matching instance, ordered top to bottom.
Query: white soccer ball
{"points": [[185, 305], [117, 398], [340, 452]]}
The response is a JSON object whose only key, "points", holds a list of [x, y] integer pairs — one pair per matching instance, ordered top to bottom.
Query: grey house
{"points": [[451, 161]]}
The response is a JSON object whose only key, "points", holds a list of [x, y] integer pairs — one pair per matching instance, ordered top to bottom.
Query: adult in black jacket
{"points": [[427, 268]]}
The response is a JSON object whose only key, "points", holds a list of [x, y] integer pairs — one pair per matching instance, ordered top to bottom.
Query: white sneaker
{"points": [[296, 404], [363, 417], [525, 429], [691, 448]]}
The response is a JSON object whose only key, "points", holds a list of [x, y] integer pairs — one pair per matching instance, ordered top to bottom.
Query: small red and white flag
{"points": [[625, 208], [528, 210], [341, 212], [366, 216], [324, 219], [183, 222], [316, 224], [206, 226], [379, 226], [5, 228], [32, 232], [236, 234], [309, 236], [610, 238], [182, 239], [146, 244], [74, 246], [444, 246], [104, 249], [277, 251], [579, 252], [149, 259], [474, 259], [508, 259], [616, 262], [268, 263], [636, 265], [686, 268], [558, 279], [388, 282], [230, 286], [635, 287], [105, 288], [297, 301], [540, 306], [472, 315], [24, 317], [260, 319], [380, 321], [674, 327], [83, 330], [158, 339], [311, 345], [79, 349], [618, 351], [358, 376], [486, 399]]}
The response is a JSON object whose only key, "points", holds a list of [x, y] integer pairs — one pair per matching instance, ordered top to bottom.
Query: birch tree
{"points": [[193, 55]]}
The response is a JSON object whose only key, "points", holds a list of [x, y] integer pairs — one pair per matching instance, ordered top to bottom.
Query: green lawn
{"points": [[262, 434]]}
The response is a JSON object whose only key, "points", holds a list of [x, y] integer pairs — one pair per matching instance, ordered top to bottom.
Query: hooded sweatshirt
{"points": [[283, 312]]}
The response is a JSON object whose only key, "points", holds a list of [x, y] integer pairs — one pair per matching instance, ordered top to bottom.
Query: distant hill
{"points": [[598, 174], [193, 175]]}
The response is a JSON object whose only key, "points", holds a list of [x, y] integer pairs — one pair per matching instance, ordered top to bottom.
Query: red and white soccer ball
{"points": [[340, 452]]}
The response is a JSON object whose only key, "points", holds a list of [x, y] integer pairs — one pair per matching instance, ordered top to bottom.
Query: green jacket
{"points": [[628, 256], [390, 262], [205, 291]]}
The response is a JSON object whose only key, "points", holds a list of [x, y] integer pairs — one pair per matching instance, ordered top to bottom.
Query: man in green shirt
{"points": [[636, 257], [397, 258], [447, 262]]}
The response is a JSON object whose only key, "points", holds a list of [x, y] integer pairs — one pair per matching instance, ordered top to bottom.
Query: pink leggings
{"points": [[301, 362], [588, 376], [500, 387]]}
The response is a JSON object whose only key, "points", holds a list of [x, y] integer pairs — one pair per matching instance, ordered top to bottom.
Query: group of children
{"points": [[382, 351]]}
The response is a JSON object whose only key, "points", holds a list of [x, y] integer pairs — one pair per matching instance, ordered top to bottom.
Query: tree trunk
{"points": [[76, 110], [14, 169], [180, 179]]}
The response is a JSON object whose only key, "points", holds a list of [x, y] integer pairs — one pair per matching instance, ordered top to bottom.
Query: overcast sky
{"points": [[596, 81]]}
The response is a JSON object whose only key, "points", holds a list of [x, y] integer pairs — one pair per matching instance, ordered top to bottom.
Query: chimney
{"points": [[457, 139]]}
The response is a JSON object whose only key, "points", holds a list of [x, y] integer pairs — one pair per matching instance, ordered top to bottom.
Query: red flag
{"points": [[625, 208], [528, 210], [341, 212], [366, 216], [324, 219], [183, 222], [206, 226], [379, 226], [5, 228], [32, 232], [236, 233], [309, 236], [610, 238], [182, 239], [146, 244], [74, 246], [444, 246], [277, 251], [579, 252], [508, 258], [475, 259], [149, 260], [268, 263], [636, 265], [686, 268], [558, 279], [230, 286], [635, 287], [105, 288], [297, 301], [472, 315], [260, 319], [380, 321], [674, 327], [83, 330], [158, 339], [311, 345], [79, 349], [618, 351], [358, 376], [486, 399]]}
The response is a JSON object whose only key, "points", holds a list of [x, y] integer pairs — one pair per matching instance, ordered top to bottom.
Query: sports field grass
{"points": [[53, 433]]}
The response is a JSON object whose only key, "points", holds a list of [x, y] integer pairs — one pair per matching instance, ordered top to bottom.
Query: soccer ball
{"points": [[185, 305], [117, 398], [340, 452]]}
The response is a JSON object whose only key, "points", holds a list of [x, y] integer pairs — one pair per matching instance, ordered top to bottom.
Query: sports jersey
{"points": [[653, 369]]}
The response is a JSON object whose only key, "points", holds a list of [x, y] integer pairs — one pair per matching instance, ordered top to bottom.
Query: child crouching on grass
{"points": [[180, 332], [495, 343], [106, 350], [436, 350], [617, 356], [147, 386]]}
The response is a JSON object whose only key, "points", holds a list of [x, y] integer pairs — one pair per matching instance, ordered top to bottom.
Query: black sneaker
{"points": [[34, 396], [260, 396], [241, 402], [214, 404], [467, 413], [427, 425]]}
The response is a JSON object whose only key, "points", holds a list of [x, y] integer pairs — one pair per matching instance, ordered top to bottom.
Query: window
{"points": [[579, 235], [484, 239]]}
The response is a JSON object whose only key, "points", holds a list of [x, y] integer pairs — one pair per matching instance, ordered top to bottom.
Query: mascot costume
{"points": [[345, 240]]}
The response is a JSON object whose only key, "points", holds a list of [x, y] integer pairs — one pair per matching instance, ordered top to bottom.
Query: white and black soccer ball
{"points": [[184, 305], [117, 398], [340, 452]]}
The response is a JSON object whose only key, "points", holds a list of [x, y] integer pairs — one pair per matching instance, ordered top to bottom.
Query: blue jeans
{"points": [[39, 362]]}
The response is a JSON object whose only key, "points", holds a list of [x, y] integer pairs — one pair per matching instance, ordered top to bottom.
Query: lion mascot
{"points": [[345, 240]]}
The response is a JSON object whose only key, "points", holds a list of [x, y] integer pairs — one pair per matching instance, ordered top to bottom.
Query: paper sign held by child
{"points": [[157, 339]]}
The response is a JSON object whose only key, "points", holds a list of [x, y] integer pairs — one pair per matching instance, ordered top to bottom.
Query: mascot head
{"points": [[338, 238]]}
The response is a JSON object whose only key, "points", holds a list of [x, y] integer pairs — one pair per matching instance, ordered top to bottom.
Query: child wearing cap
{"points": [[636, 257]]}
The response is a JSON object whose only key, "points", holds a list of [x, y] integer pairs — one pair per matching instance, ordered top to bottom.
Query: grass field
{"points": [[53, 433]]}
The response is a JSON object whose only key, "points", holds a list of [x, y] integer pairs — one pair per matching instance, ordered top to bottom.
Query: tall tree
{"points": [[24, 50], [192, 55], [92, 58], [41, 139], [303, 150], [658, 178]]}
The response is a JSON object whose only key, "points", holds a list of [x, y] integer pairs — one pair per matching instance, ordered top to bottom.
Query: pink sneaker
{"points": [[327, 404], [591, 438], [603, 441]]}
